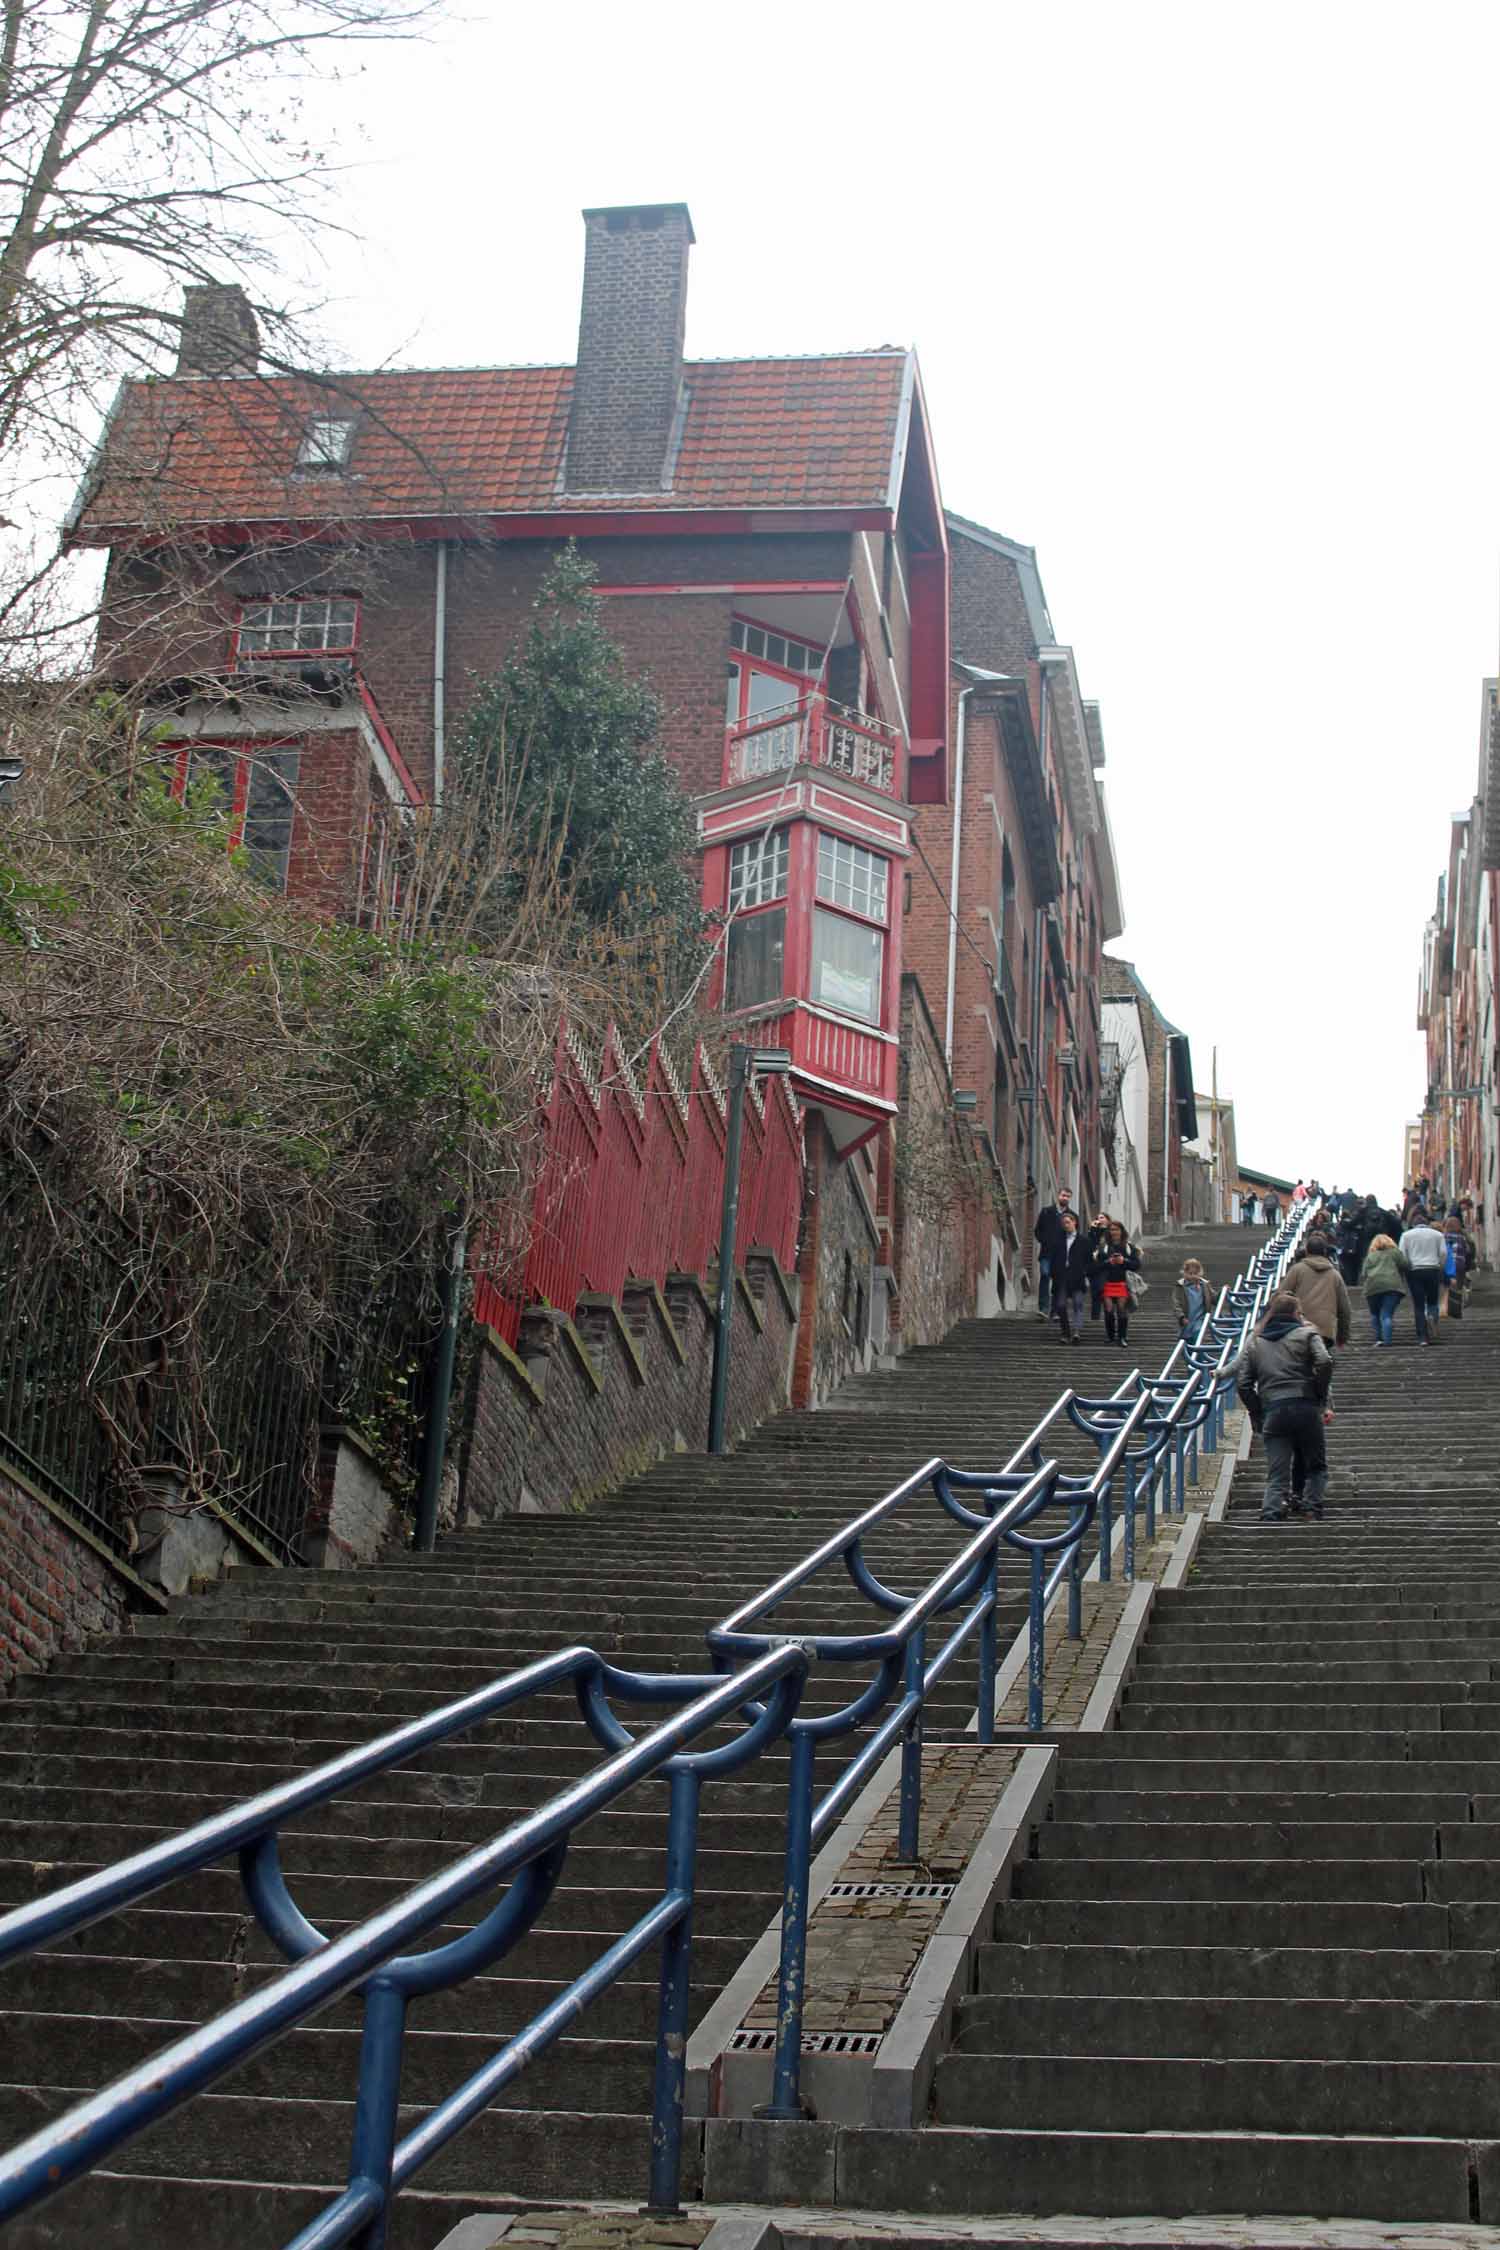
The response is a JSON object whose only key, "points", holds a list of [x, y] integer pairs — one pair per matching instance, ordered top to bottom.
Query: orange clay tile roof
{"points": [[759, 434]]}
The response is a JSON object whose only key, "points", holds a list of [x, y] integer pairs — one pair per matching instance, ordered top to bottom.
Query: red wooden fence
{"points": [[631, 1182]]}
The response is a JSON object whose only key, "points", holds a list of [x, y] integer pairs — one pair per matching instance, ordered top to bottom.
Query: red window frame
{"points": [[293, 655], [243, 754]]}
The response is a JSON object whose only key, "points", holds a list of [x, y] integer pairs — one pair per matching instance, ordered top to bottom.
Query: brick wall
{"points": [[941, 1236], [846, 1242], [580, 1406], [56, 1592]]}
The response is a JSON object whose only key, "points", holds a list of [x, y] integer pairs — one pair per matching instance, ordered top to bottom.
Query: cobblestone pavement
{"points": [[862, 1950], [599, 2226], [609, 2227], [1065, 2233]]}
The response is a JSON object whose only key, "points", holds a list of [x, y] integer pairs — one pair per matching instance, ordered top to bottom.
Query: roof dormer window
{"points": [[327, 442]]}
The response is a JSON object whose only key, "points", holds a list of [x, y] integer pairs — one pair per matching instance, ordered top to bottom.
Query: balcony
{"points": [[815, 732], [849, 1071]]}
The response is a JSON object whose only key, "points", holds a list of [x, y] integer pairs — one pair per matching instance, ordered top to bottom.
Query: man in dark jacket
{"points": [[1052, 1248], [1283, 1375]]}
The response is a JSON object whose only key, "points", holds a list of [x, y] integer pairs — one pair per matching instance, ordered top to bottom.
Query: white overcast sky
{"points": [[1205, 302]]}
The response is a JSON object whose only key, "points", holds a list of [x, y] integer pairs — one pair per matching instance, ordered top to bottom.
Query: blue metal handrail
{"points": [[1010, 1502], [528, 1856]]}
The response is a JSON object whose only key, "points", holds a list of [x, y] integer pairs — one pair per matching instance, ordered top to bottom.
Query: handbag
{"points": [[1137, 1286]]}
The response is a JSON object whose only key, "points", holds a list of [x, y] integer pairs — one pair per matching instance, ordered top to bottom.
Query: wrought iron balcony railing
{"points": [[816, 732]]}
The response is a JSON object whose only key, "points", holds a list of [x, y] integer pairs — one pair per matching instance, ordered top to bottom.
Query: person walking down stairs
{"points": [[1052, 1250], [1117, 1265], [1070, 1279], [1192, 1297], [1283, 1375]]}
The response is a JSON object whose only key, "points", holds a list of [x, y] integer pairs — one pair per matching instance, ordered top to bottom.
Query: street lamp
{"points": [[763, 1062]]}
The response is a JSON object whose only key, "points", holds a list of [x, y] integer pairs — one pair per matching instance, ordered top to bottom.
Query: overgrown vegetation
{"points": [[265, 1109]]}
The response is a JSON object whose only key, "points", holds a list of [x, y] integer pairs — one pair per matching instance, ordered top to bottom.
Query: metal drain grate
{"points": [[891, 1890], [813, 2042]]}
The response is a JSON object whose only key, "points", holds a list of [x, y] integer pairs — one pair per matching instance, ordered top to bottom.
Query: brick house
{"points": [[307, 574], [1024, 850]]}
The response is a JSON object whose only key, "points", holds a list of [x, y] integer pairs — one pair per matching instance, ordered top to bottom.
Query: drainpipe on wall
{"points": [[439, 670], [977, 682], [953, 871]]}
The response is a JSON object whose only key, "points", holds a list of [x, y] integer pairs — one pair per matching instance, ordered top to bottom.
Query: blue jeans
{"points": [[1424, 1282], [1044, 1284], [1382, 1309]]}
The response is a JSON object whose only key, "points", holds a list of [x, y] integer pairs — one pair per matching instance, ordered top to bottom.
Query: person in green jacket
{"points": [[1383, 1281]]}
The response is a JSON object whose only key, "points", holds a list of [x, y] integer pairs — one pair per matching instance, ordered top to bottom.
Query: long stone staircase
{"points": [[230, 1693], [1253, 1965]]}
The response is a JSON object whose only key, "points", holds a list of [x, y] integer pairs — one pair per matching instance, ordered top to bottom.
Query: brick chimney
{"points": [[220, 334], [629, 375]]}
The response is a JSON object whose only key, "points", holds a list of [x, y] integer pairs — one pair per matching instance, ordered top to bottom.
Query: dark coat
{"points": [[1049, 1231], [1080, 1263]]}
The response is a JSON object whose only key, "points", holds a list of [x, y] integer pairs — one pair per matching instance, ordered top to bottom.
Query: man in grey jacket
{"points": [[1424, 1250], [1283, 1375]]}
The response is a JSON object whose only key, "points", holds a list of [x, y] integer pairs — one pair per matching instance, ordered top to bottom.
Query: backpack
{"points": [[1453, 1259]]}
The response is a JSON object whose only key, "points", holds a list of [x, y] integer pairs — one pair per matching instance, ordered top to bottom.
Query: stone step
{"points": [[1394, 1880], [349, 1896], [1131, 1922], [1240, 1972], [1353, 2030], [314, 2062], [1149, 2093], [551, 2156], [1107, 2170]]}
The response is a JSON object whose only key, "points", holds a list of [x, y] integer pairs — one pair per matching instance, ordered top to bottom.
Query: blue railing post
{"points": [[1179, 1449], [1193, 1456], [1129, 1467], [1153, 1467], [1106, 1536], [1075, 1592], [989, 1654], [1036, 1654], [910, 1838], [672, 2007], [786, 2081], [376, 2101]]}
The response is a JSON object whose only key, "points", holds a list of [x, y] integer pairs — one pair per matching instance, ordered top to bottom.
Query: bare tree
{"points": [[147, 146]]}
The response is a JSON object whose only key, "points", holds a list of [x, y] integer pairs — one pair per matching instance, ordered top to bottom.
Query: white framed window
{"points": [[327, 442], [325, 624], [758, 870], [851, 877], [848, 960]]}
